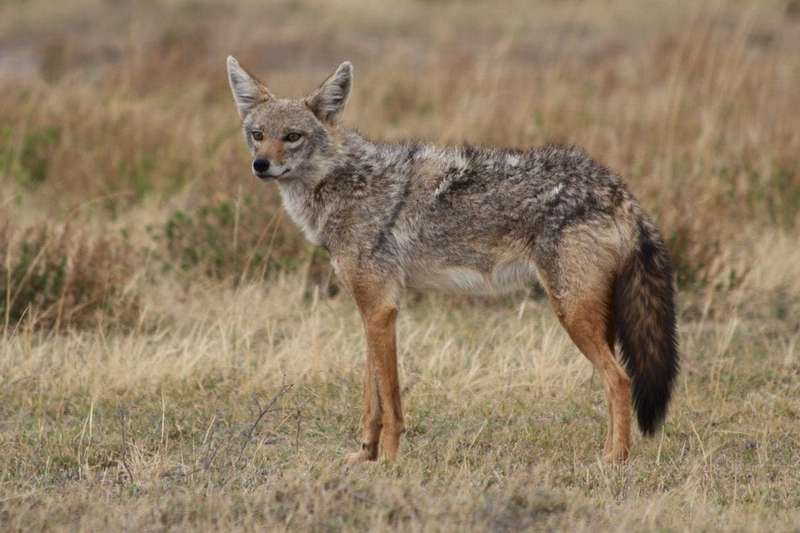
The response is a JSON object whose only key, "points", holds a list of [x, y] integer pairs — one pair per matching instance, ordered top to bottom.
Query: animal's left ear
{"points": [[328, 101]]}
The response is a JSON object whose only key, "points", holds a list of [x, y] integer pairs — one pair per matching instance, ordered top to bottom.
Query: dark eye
{"points": [[257, 135], [292, 137]]}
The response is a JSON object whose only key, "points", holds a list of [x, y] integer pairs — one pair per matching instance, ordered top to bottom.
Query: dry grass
{"points": [[182, 371], [162, 429]]}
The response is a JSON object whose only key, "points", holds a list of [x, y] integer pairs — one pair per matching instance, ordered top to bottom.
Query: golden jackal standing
{"points": [[472, 220]]}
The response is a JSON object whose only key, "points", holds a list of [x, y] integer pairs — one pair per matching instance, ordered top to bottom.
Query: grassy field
{"points": [[174, 356]]}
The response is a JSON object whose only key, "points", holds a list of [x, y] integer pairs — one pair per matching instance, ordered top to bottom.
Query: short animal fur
{"points": [[474, 220]]}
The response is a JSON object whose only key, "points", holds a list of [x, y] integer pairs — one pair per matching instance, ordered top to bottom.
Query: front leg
{"points": [[371, 418], [382, 421]]}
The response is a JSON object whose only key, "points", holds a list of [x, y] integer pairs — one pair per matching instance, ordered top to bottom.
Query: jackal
{"points": [[475, 220]]}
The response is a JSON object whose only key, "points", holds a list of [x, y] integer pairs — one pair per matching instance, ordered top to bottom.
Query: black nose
{"points": [[261, 165]]}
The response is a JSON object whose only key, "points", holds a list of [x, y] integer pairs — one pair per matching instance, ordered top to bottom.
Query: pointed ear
{"points": [[247, 90], [328, 101]]}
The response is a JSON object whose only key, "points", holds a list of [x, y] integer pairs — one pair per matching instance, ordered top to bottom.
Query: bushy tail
{"points": [[644, 321]]}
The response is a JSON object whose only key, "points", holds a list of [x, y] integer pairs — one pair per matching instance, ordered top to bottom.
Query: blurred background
{"points": [[120, 147], [173, 355]]}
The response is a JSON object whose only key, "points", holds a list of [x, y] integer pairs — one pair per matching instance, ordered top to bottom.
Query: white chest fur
{"points": [[296, 204]]}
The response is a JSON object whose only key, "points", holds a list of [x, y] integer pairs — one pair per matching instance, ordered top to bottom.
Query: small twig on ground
{"points": [[258, 419], [123, 421], [297, 430], [249, 435], [209, 460]]}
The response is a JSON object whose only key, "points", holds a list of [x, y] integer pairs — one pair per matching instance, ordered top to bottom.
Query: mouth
{"points": [[265, 176]]}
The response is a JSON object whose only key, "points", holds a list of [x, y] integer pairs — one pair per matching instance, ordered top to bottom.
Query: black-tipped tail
{"points": [[644, 321]]}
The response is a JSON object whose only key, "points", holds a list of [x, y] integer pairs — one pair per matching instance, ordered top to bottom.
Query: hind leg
{"points": [[577, 271], [586, 323], [609, 444]]}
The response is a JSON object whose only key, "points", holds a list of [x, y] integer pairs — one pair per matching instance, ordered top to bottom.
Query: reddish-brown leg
{"points": [[587, 324], [382, 421]]}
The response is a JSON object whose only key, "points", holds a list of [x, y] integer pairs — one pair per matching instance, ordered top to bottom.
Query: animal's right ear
{"points": [[247, 90]]}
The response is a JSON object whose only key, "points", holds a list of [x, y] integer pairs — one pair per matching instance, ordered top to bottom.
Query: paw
{"points": [[608, 447], [365, 454], [615, 457], [355, 458]]}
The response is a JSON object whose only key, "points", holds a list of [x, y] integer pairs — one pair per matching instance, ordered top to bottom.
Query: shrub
{"points": [[29, 162], [224, 239], [58, 278]]}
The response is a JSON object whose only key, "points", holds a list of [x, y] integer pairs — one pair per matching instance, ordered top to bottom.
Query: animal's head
{"points": [[290, 138]]}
